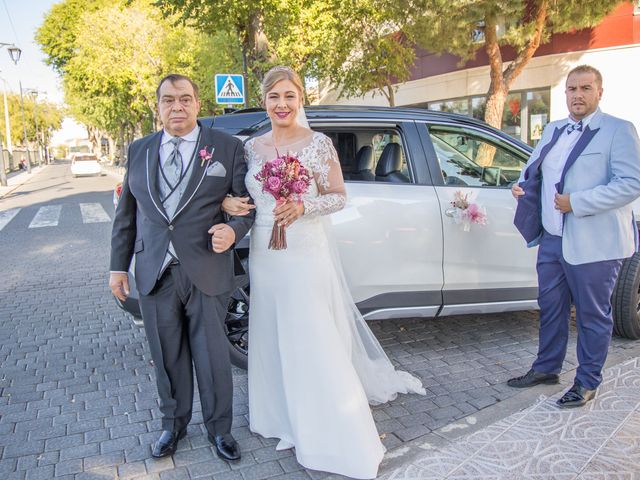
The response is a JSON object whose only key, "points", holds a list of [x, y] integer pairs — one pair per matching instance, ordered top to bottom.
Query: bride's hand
{"points": [[237, 206], [288, 212]]}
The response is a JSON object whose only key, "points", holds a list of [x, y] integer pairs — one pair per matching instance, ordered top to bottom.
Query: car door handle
{"points": [[450, 212]]}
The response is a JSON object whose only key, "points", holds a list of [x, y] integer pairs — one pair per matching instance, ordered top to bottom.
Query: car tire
{"points": [[625, 300], [236, 325]]}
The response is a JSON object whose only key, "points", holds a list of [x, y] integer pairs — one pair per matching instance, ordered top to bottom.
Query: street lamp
{"points": [[15, 53], [7, 124], [3, 172]]}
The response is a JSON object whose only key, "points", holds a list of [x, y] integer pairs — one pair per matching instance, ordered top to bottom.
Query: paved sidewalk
{"points": [[15, 179], [599, 441]]}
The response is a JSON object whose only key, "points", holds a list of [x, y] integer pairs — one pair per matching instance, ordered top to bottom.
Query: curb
{"points": [[19, 179]]}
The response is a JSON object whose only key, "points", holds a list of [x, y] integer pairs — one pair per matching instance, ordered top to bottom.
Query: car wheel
{"points": [[626, 299], [236, 325]]}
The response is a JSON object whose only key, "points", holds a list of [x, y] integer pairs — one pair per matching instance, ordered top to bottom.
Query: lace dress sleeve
{"points": [[328, 176]]}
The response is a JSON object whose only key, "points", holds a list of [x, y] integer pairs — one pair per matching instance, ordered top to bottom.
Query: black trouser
{"points": [[184, 325]]}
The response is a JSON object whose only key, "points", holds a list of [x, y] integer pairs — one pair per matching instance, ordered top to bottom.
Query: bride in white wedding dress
{"points": [[314, 365]]}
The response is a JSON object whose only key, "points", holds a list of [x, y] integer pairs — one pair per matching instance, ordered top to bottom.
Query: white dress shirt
{"points": [[186, 148], [552, 167]]}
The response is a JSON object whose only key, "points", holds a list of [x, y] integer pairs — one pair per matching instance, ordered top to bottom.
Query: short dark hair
{"points": [[587, 69], [176, 77]]}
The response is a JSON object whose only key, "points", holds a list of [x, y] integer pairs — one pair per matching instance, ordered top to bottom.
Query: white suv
{"points": [[404, 251]]}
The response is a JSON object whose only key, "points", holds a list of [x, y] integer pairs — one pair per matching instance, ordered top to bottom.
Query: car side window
{"points": [[370, 155], [469, 158]]}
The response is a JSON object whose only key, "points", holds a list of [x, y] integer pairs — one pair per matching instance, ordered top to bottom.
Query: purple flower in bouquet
{"points": [[285, 178], [272, 185], [299, 186]]}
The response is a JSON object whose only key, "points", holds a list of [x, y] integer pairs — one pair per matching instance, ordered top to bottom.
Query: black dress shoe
{"points": [[532, 378], [576, 396], [167, 443], [226, 446]]}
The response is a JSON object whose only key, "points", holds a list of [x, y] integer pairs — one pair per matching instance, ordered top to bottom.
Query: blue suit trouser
{"points": [[589, 287]]}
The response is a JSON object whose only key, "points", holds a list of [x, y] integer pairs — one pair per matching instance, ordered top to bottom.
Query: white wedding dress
{"points": [[314, 365]]}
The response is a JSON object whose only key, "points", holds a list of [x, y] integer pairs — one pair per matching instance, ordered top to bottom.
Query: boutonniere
{"points": [[205, 156]]}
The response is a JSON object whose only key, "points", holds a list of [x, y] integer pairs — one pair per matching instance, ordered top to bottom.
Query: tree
{"points": [[254, 24], [472, 25], [58, 32], [353, 44], [356, 45], [111, 63], [49, 119]]}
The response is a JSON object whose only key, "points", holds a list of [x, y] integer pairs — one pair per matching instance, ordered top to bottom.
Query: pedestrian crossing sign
{"points": [[229, 88]]}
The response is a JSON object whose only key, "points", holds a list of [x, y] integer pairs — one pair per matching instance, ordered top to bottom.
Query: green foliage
{"points": [[444, 26], [467, 26], [57, 34], [111, 55], [49, 119]]}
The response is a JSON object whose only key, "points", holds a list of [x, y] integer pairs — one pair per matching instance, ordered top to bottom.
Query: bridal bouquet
{"points": [[285, 178], [466, 212]]}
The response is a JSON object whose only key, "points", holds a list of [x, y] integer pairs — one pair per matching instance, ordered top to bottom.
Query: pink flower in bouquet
{"points": [[285, 178], [272, 185], [299, 186]]}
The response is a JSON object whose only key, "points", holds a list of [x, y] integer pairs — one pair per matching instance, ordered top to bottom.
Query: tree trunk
{"points": [[501, 78], [390, 94], [494, 107], [94, 139], [112, 148], [122, 160]]}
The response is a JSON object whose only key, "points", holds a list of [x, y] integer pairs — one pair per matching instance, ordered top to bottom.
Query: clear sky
{"points": [[19, 20]]}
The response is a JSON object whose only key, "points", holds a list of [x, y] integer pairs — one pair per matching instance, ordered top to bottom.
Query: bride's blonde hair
{"points": [[277, 74]]}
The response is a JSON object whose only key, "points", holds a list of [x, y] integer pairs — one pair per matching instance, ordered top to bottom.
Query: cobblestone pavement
{"points": [[77, 390], [599, 441]]}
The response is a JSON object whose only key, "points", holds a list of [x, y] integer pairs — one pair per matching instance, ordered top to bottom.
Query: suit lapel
{"points": [[579, 147], [152, 154], [535, 166], [199, 169]]}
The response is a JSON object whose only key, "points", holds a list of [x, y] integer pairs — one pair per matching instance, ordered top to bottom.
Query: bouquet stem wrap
{"points": [[278, 234]]}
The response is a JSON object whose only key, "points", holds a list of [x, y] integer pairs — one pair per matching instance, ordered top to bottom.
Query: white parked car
{"points": [[85, 164], [405, 247]]}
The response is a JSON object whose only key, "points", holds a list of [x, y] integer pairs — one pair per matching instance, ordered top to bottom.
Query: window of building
{"points": [[636, 7], [460, 105], [478, 106], [537, 106], [525, 112]]}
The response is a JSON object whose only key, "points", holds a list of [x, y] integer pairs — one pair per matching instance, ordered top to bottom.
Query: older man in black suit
{"points": [[169, 217]]}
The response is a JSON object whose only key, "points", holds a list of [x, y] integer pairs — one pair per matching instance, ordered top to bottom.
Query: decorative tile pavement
{"points": [[599, 441]]}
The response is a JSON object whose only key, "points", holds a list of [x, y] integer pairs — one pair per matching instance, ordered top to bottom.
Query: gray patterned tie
{"points": [[172, 166]]}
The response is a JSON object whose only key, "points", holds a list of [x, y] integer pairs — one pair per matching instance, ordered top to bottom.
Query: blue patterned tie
{"points": [[574, 126]]}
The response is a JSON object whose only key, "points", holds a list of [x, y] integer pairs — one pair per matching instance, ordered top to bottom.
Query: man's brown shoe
{"points": [[532, 378]]}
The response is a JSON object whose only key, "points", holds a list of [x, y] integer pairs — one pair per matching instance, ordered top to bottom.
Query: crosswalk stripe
{"points": [[94, 213], [7, 216], [46, 216]]}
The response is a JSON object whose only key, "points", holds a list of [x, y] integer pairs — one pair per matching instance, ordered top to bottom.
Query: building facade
{"points": [[537, 97]]}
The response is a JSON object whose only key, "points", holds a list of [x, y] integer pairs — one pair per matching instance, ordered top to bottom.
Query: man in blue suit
{"points": [[574, 201]]}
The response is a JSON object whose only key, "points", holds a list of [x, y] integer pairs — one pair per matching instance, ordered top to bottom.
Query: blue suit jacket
{"points": [[602, 176]]}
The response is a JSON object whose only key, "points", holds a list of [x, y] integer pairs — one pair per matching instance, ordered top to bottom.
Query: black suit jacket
{"points": [[142, 227]]}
